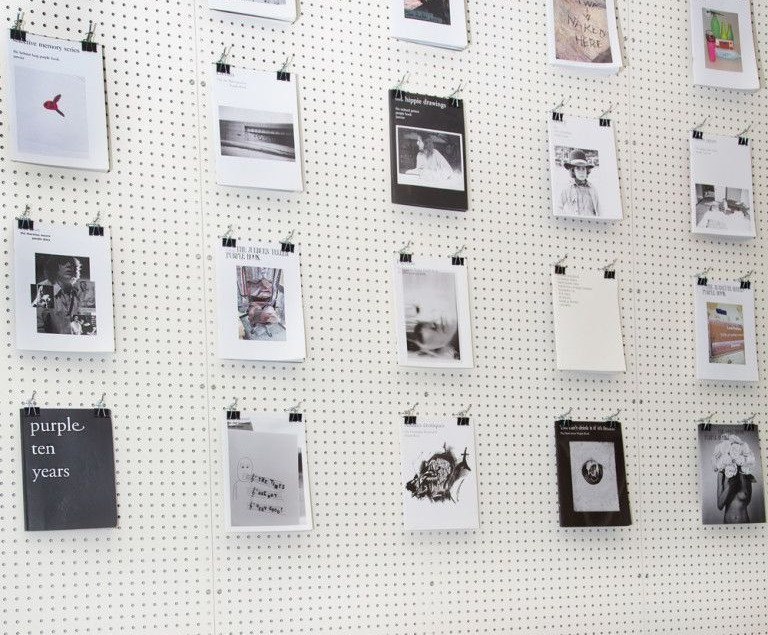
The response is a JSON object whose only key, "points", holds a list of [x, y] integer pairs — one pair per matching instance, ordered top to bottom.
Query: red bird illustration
{"points": [[53, 104]]}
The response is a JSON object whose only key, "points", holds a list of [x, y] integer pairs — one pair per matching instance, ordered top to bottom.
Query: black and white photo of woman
{"points": [[431, 315]]}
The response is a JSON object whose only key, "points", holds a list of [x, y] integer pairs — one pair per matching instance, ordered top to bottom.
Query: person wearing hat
{"points": [[579, 198]]}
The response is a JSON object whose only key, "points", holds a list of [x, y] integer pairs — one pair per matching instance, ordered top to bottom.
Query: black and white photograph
{"points": [[281, 10], [429, 10], [441, 23], [56, 104], [257, 136], [427, 152], [428, 158], [584, 170], [721, 187], [64, 290], [64, 296], [259, 313], [432, 314], [726, 343], [730, 475], [591, 476], [266, 478], [439, 478]]}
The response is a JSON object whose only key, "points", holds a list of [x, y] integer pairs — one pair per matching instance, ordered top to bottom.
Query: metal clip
{"points": [[19, 23], [17, 30], [88, 44], [222, 66], [283, 75], [398, 92], [452, 99], [556, 114], [604, 121], [697, 133], [742, 136], [25, 220], [94, 229], [227, 240], [286, 246], [405, 252], [456, 257], [559, 268], [609, 271], [701, 277], [744, 282], [30, 405], [100, 409], [233, 414], [409, 415], [294, 416], [565, 416], [462, 417], [612, 417], [706, 421], [749, 422]]}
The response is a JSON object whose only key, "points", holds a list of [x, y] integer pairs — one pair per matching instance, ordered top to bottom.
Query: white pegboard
{"points": [[170, 567]]}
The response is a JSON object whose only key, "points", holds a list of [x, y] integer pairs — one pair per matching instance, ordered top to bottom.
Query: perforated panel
{"points": [[170, 567]]}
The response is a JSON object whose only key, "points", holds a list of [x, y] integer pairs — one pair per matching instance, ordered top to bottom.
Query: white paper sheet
{"points": [[283, 10], [440, 23], [583, 36], [725, 59], [56, 103], [256, 133], [584, 173], [722, 203], [63, 290], [259, 307], [432, 316], [587, 322], [726, 346], [266, 473], [439, 476]]}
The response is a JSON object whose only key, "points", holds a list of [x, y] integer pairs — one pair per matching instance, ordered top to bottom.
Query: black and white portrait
{"points": [[438, 11], [256, 134], [429, 158], [575, 194], [723, 210], [64, 296], [261, 304], [431, 314], [731, 475], [593, 477]]}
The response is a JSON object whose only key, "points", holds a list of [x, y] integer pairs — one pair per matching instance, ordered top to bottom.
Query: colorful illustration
{"points": [[722, 41], [53, 104], [725, 324]]}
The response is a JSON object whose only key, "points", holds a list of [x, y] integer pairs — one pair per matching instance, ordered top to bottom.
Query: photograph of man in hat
{"points": [[579, 197]]}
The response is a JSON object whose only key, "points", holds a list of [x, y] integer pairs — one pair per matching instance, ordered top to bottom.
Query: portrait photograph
{"points": [[438, 11], [441, 23], [429, 158], [584, 172], [63, 290], [432, 314], [730, 475]]}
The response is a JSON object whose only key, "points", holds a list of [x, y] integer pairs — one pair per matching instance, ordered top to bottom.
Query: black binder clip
{"points": [[17, 31], [88, 45], [221, 65], [283, 75], [398, 89], [453, 100], [557, 115], [604, 121], [698, 134], [743, 139], [25, 221], [94, 229], [227, 240], [286, 246], [405, 254], [457, 258], [560, 267], [609, 273], [701, 278], [744, 282], [30, 406], [100, 410], [233, 414], [294, 416], [409, 416], [462, 418], [564, 420], [612, 420], [706, 422], [749, 423]]}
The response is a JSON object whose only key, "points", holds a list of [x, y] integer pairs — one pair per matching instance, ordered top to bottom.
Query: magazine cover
{"points": [[282, 10], [434, 22], [583, 36], [722, 44], [56, 103], [256, 130], [427, 151], [583, 169], [721, 187], [63, 290], [259, 306], [432, 316], [726, 345], [68, 469], [730, 475], [266, 476], [439, 478], [591, 478]]}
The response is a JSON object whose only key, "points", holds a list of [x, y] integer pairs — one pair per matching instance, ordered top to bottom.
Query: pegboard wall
{"points": [[170, 567]]}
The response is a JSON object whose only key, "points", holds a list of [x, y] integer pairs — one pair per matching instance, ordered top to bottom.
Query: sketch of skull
{"points": [[437, 476]]}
